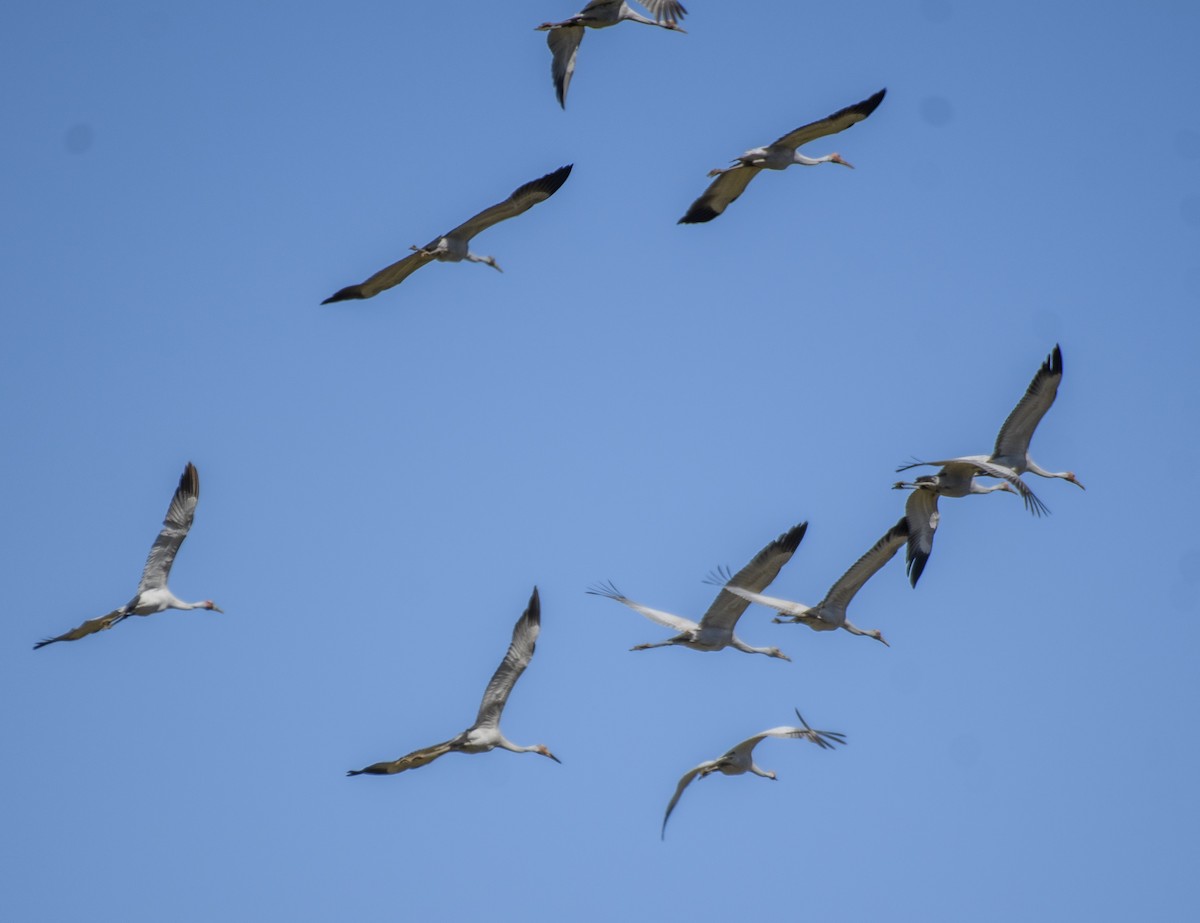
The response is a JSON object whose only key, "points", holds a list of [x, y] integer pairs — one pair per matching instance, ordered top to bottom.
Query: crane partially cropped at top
{"points": [[564, 37]]}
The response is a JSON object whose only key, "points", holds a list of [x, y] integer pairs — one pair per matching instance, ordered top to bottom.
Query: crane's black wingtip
{"points": [[871, 103], [552, 182], [698, 214], [345, 294], [1055, 360], [189, 481], [790, 540], [916, 567], [533, 611], [45, 642], [355, 772]]}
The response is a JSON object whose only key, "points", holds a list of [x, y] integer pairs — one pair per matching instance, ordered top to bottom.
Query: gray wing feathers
{"points": [[665, 10], [564, 46], [832, 124], [720, 192], [522, 199], [396, 273], [1017, 429], [922, 516], [175, 529], [867, 566], [756, 576], [666, 619], [91, 626], [516, 659], [683, 783]]}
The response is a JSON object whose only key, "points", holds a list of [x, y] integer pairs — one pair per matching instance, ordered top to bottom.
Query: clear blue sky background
{"points": [[384, 481]]}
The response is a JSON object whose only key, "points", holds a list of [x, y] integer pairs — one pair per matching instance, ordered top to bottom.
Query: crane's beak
{"points": [[837, 158], [1075, 481], [544, 751]]}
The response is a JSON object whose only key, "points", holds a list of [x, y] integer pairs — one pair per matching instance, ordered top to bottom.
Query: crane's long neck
{"points": [[799, 158], [1034, 468], [864, 632], [747, 649], [540, 749], [759, 771]]}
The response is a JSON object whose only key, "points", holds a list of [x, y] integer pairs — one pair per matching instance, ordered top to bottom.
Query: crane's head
{"points": [[673, 26], [837, 158], [1074, 480], [209, 604], [877, 635], [776, 652], [545, 751]]}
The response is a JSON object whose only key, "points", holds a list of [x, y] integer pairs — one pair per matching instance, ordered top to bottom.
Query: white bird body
{"points": [[564, 37], [782, 153], [454, 245], [1010, 456], [921, 510], [153, 594], [830, 613], [715, 630], [485, 733], [739, 759]]}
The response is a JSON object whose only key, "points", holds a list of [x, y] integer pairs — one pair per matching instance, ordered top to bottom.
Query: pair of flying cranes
{"points": [[956, 478]]}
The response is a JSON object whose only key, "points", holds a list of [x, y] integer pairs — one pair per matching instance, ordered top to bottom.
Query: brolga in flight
{"points": [[564, 37], [780, 154], [453, 246], [1010, 456], [921, 510], [153, 594], [830, 613], [714, 631], [484, 734], [740, 759]]}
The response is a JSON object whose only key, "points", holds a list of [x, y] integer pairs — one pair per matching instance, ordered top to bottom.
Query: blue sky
{"points": [[384, 481]]}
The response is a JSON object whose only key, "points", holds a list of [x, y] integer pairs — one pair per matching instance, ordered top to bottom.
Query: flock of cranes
{"points": [[715, 630]]}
